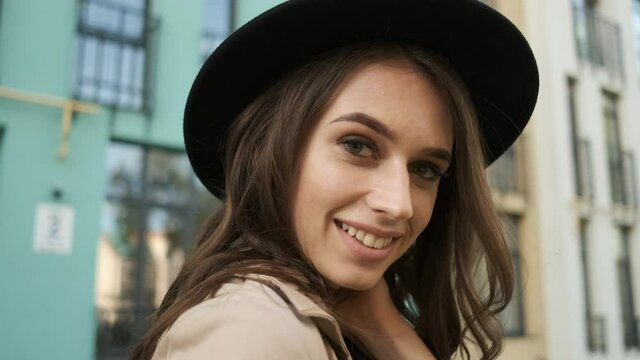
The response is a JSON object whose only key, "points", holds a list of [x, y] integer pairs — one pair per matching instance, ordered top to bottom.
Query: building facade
{"points": [[94, 182], [581, 196]]}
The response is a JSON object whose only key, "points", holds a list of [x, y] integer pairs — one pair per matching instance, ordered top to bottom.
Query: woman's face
{"points": [[369, 174]]}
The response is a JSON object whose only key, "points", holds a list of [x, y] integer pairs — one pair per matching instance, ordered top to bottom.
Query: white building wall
{"points": [[548, 24]]}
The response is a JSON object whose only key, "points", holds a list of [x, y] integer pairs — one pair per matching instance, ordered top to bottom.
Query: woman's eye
{"points": [[358, 146], [426, 171]]}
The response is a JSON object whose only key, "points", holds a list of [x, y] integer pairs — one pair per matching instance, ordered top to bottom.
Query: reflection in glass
{"points": [[216, 24], [636, 26], [113, 39], [124, 170], [503, 174], [169, 178], [151, 195], [167, 250], [115, 276], [512, 317]]}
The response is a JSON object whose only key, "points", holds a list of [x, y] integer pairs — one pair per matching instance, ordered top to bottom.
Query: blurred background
{"points": [[98, 204]]}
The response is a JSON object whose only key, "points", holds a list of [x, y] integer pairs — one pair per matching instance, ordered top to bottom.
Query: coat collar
{"points": [[306, 307]]}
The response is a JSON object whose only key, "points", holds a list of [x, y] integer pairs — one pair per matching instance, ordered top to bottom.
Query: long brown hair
{"points": [[434, 284]]}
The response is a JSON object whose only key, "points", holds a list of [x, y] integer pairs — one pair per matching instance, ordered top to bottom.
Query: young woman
{"points": [[348, 139]]}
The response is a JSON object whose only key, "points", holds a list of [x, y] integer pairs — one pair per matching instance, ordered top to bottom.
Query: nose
{"points": [[390, 192]]}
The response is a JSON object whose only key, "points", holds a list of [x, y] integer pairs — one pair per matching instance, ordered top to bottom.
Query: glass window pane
{"points": [[216, 16], [115, 17], [133, 24], [216, 24], [636, 25], [111, 52], [614, 147], [124, 170], [503, 173], [169, 179], [167, 242], [115, 277], [133, 277], [625, 283], [512, 317]]}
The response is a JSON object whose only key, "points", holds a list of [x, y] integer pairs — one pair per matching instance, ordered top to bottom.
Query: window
{"points": [[217, 24], [636, 26], [598, 39], [112, 49], [581, 148], [614, 148], [504, 173], [630, 179], [154, 205], [625, 283], [512, 317], [595, 325]]}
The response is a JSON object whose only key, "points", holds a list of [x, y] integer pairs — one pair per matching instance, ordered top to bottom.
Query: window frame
{"points": [[212, 36], [116, 90], [613, 146], [512, 223], [133, 310], [630, 321]]}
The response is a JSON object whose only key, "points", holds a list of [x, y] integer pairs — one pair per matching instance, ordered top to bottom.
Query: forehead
{"points": [[398, 95]]}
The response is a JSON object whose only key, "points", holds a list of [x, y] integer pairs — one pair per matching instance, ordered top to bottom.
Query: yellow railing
{"points": [[68, 107]]}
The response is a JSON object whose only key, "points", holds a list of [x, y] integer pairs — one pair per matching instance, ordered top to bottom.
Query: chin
{"points": [[353, 281]]}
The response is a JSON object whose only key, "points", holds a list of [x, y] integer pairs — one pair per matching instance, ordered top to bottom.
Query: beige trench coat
{"points": [[251, 320]]}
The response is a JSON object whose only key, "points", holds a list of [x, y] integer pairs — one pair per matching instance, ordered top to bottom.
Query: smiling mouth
{"points": [[365, 238]]}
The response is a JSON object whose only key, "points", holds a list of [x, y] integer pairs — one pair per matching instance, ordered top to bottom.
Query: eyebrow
{"points": [[369, 122], [380, 128]]}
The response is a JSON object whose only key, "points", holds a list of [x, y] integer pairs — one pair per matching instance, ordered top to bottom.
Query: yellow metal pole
{"points": [[68, 107], [67, 117]]}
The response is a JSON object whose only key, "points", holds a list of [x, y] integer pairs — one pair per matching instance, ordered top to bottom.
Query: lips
{"points": [[367, 239]]}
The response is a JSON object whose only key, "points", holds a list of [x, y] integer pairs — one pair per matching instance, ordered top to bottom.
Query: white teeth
{"points": [[367, 239]]}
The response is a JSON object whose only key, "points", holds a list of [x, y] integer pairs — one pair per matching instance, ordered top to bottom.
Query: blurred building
{"points": [[97, 200], [98, 205], [575, 206]]}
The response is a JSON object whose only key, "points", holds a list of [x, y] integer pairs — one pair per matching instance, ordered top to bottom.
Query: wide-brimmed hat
{"points": [[486, 49]]}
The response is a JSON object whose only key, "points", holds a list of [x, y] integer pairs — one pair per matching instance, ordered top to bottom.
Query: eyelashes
{"points": [[358, 146], [365, 149], [427, 171]]}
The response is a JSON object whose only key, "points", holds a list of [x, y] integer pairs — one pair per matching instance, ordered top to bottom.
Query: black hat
{"points": [[486, 49]]}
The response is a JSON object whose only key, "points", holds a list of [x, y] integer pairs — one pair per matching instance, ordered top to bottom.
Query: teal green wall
{"points": [[248, 9], [37, 46], [47, 302], [47, 305]]}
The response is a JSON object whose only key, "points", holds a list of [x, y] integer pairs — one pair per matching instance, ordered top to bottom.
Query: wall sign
{"points": [[53, 230]]}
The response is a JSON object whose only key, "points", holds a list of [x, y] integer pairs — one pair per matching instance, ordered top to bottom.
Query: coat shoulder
{"points": [[245, 320]]}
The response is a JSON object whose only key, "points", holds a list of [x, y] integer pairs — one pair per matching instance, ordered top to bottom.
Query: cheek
{"points": [[326, 180], [315, 181]]}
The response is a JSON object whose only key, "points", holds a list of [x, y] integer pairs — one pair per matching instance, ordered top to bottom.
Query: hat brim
{"points": [[487, 50]]}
